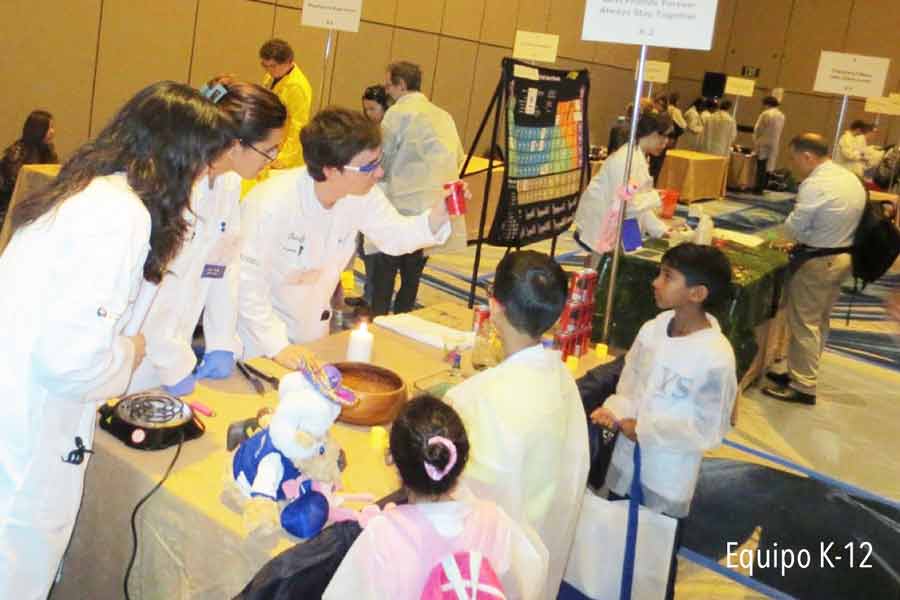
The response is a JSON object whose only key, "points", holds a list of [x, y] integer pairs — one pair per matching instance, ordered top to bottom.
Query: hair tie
{"points": [[214, 93], [432, 471]]}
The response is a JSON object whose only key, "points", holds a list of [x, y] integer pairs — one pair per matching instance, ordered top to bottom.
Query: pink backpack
{"points": [[463, 576]]}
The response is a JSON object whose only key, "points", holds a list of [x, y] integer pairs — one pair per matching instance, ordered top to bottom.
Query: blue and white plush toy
{"points": [[296, 434]]}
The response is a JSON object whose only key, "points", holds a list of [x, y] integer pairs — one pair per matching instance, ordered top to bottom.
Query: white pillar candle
{"points": [[360, 347]]}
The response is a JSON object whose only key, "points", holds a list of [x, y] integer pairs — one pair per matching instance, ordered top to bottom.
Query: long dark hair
{"points": [[255, 110], [161, 139], [37, 151], [420, 420]]}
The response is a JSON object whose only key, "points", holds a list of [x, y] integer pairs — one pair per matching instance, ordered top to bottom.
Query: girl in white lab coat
{"points": [[693, 131], [598, 198], [78, 252], [204, 277], [396, 552]]}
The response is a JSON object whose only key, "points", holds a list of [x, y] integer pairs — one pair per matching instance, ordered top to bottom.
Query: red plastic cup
{"points": [[456, 198], [669, 202]]}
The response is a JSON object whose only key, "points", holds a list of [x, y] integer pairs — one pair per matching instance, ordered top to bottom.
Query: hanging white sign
{"points": [[342, 15], [685, 24], [851, 74]]}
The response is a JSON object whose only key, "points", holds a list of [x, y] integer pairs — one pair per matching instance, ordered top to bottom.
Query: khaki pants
{"points": [[811, 294]]}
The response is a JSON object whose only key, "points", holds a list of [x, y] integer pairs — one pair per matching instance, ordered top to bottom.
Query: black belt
{"points": [[801, 253]]}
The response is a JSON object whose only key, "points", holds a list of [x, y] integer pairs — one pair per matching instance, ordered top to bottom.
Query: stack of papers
{"points": [[427, 332]]}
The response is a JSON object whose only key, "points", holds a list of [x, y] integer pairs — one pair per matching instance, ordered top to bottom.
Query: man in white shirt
{"points": [[766, 138], [422, 152], [828, 209], [299, 231], [524, 417]]}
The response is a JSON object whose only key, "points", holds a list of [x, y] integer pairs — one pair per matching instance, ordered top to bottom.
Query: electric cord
{"points": [[134, 540]]}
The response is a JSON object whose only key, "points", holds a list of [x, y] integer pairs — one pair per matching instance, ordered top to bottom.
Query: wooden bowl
{"points": [[380, 393]]}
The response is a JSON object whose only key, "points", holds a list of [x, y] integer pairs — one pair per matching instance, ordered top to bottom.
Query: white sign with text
{"points": [[342, 15], [685, 24], [530, 45], [655, 71], [851, 74], [738, 86], [884, 106]]}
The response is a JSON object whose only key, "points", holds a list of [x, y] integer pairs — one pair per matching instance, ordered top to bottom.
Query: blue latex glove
{"points": [[217, 364], [183, 387]]}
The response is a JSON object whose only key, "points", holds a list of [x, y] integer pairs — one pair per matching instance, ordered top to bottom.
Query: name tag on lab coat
{"points": [[213, 272]]}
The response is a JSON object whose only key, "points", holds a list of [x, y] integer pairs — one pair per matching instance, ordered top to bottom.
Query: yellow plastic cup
{"points": [[348, 282], [601, 350], [572, 363]]}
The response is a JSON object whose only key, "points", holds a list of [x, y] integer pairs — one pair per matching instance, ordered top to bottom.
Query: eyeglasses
{"points": [[267, 156], [368, 167]]}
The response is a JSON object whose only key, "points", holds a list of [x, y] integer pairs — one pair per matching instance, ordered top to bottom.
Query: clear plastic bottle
{"points": [[483, 352]]}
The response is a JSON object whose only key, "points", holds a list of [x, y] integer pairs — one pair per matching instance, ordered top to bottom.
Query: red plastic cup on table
{"points": [[669, 202]]}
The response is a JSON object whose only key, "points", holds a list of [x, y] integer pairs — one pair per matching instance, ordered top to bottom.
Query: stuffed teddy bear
{"points": [[295, 437]]}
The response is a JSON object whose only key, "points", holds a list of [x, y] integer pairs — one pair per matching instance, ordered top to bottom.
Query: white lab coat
{"points": [[677, 116], [693, 131], [719, 134], [767, 136], [422, 152], [851, 152], [598, 198], [293, 252], [72, 277], [194, 281], [681, 391], [529, 448], [393, 556]]}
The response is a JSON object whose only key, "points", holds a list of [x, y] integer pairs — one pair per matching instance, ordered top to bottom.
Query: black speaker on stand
{"points": [[714, 85]]}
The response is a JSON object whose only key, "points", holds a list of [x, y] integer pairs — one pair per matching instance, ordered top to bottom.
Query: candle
{"points": [[360, 347]]}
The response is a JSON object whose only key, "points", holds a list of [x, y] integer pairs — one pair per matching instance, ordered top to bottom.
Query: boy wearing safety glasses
{"points": [[300, 230]]}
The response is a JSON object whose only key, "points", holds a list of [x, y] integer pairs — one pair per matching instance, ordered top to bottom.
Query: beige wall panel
{"points": [[290, 3], [380, 11], [425, 15], [533, 15], [463, 18], [566, 19], [499, 24], [816, 25], [874, 27], [130, 34], [758, 38], [217, 48], [309, 48], [419, 48], [617, 55], [360, 60], [49, 61], [693, 64], [487, 75], [453, 77], [612, 89], [803, 113]]}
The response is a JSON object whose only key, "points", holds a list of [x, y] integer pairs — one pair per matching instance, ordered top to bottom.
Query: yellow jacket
{"points": [[295, 92]]}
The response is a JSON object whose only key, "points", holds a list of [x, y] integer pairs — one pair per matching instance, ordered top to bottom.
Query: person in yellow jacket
{"points": [[292, 87]]}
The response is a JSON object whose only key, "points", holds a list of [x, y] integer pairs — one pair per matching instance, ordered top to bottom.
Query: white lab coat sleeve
{"points": [[694, 123], [800, 223], [395, 234], [221, 310], [260, 323], [79, 352], [172, 357], [624, 403], [703, 429], [529, 562]]}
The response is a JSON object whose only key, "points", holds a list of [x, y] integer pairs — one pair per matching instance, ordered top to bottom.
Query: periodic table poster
{"points": [[547, 153]]}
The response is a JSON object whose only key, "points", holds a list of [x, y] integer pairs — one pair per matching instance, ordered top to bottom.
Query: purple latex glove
{"points": [[217, 364], [183, 387]]}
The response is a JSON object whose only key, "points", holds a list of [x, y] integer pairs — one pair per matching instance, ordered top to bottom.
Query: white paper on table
{"points": [[744, 239], [433, 334]]}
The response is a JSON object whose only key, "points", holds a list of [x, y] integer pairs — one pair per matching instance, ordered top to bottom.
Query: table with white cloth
{"points": [[697, 176], [30, 179], [190, 544]]}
